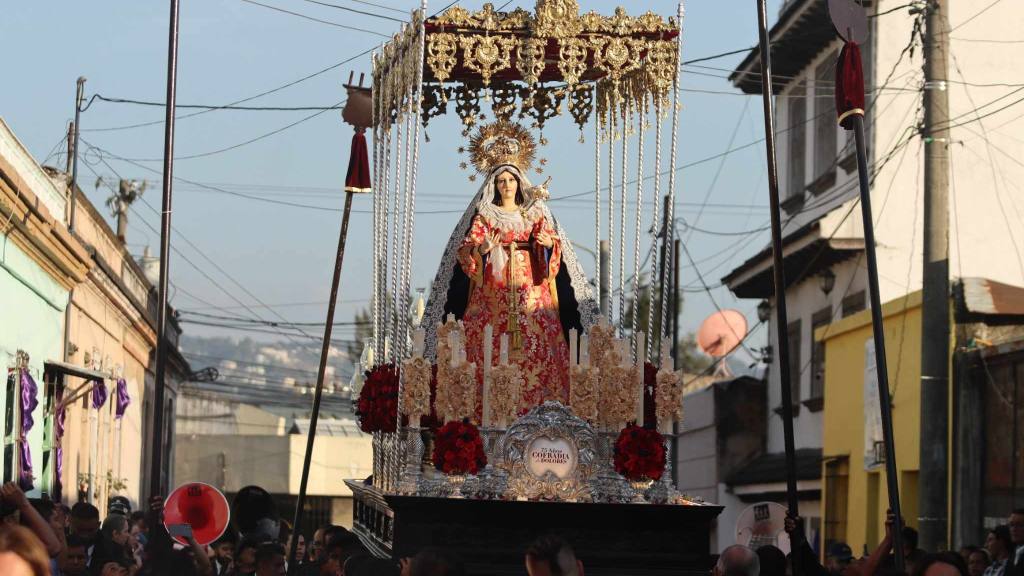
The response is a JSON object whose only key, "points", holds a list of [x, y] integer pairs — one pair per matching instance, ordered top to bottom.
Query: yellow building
{"points": [[855, 497]]}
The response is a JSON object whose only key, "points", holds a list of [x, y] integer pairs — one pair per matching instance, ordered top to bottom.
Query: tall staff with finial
{"points": [[851, 24], [358, 113], [778, 272]]}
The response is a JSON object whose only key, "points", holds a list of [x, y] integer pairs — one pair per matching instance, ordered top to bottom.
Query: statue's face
{"points": [[507, 186]]}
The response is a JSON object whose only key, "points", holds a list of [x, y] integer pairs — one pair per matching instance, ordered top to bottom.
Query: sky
{"points": [[274, 262]]}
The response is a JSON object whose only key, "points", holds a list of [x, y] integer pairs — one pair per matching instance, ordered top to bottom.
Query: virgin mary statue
{"points": [[509, 263]]}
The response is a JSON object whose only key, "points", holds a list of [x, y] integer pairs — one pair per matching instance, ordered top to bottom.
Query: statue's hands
{"points": [[544, 239], [489, 243]]}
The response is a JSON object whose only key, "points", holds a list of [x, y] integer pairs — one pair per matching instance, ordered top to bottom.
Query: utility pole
{"points": [[73, 151], [663, 291], [156, 471], [932, 491]]}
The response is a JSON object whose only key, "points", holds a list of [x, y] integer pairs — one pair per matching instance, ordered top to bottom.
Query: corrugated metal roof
{"points": [[984, 296]]}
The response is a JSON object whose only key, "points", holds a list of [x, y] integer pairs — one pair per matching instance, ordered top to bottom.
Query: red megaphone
{"points": [[202, 507]]}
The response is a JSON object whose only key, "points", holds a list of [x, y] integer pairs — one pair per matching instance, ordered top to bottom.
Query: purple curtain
{"points": [[99, 393], [123, 400], [29, 402], [58, 433]]}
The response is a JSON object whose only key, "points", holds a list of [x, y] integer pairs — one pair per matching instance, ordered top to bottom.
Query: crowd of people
{"points": [[44, 538], [1001, 555]]}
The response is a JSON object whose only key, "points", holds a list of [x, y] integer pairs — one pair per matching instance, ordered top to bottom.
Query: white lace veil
{"points": [[437, 303]]}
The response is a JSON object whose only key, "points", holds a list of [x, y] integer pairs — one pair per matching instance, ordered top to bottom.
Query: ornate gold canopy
{"points": [[530, 63]]}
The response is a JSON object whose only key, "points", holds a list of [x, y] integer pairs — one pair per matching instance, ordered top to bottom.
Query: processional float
{"points": [[616, 77], [517, 432]]}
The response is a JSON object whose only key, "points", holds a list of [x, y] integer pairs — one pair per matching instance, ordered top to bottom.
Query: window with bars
{"points": [[797, 117], [825, 125], [854, 303], [820, 318], [793, 335], [54, 386], [10, 427]]}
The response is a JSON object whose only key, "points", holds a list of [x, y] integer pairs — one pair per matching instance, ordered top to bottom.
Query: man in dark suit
{"points": [[1015, 563]]}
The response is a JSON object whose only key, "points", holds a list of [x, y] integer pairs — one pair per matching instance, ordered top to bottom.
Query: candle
{"points": [[450, 317], [417, 343], [572, 347], [620, 347], [641, 348], [452, 349], [504, 349], [585, 350], [666, 356]]}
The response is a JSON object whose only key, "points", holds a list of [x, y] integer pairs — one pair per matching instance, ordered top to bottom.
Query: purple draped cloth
{"points": [[99, 394], [122, 398], [29, 402], [58, 433]]}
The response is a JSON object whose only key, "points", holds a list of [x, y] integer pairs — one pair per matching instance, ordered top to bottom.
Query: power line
{"points": [[383, 6], [347, 9], [976, 14], [327, 22], [988, 40], [247, 99], [216, 107], [246, 142], [992, 165], [202, 254], [269, 322], [259, 330]]}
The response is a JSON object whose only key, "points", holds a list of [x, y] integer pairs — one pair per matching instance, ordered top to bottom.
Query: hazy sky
{"points": [[231, 49]]}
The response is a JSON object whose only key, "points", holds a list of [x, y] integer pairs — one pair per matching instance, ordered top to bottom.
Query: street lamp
{"points": [[827, 281], [764, 311]]}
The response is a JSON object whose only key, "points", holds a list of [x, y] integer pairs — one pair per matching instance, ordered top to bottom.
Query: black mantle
{"points": [[610, 539]]}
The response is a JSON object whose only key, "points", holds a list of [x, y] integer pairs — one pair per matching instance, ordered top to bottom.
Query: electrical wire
{"points": [[347, 9], [976, 14], [306, 17], [110, 100], [243, 100], [244, 143], [193, 264]]}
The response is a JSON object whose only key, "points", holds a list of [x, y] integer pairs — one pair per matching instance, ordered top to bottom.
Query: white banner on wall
{"points": [[874, 455]]}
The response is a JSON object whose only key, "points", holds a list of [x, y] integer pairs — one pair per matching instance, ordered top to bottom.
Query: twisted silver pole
{"points": [[622, 220], [669, 232], [636, 238], [654, 341]]}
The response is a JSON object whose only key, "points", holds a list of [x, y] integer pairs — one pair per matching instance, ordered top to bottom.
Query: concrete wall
{"points": [[31, 319], [845, 414], [724, 429], [230, 462]]}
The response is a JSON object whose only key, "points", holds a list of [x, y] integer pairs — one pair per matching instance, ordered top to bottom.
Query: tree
{"points": [[363, 330], [690, 359]]}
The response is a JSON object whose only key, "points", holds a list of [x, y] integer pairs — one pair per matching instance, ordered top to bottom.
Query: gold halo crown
{"points": [[502, 142]]}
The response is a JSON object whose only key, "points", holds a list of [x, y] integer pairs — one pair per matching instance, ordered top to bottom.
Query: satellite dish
{"points": [[720, 334], [763, 524]]}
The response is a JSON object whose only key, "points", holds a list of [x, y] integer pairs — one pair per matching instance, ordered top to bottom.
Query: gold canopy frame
{"points": [[537, 64]]}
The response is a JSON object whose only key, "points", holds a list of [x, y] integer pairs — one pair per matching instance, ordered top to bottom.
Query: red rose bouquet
{"points": [[377, 408], [458, 449], [639, 453]]}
